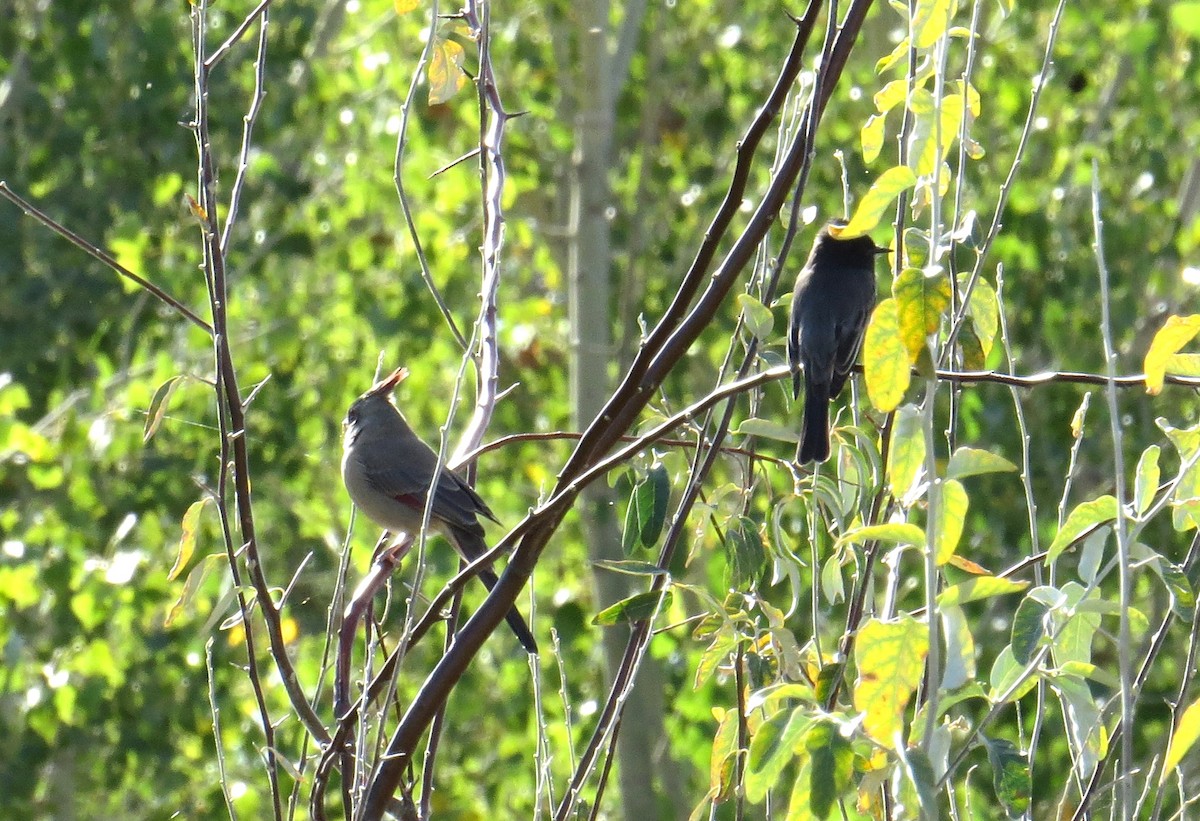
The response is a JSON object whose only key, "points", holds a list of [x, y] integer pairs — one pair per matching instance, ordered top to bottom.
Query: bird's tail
{"points": [[814, 441], [471, 546]]}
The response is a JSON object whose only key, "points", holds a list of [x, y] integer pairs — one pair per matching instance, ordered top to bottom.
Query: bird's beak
{"points": [[386, 386]]}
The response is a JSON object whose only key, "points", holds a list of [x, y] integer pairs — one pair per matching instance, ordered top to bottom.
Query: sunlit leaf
{"points": [[931, 20], [445, 73], [871, 137], [878, 199], [920, 302], [984, 309], [758, 317], [1171, 337], [885, 360], [158, 406], [968, 461], [1146, 479], [952, 516], [1083, 518], [895, 532], [187, 537], [191, 586], [980, 587], [890, 658], [1186, 732]]}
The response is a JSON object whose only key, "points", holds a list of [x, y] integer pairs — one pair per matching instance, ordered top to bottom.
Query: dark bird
{"points": [[831, 305], [388, 471]]}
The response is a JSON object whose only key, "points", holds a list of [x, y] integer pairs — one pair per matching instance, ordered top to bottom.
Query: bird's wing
{"points": [[849, 343], [455, 501]]}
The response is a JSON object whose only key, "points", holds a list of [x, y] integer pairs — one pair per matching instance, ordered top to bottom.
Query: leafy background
{"points": [[105, 708]]}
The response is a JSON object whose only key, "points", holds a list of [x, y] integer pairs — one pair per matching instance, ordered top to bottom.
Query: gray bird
{"points": [[831, 305], [388, 471]]}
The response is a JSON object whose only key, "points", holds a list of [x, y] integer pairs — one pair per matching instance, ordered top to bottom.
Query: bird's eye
{"points": [[351, 417]]}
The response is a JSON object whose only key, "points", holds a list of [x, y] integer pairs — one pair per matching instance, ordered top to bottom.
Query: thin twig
{"points": [[98, 253], [1124, 568]]}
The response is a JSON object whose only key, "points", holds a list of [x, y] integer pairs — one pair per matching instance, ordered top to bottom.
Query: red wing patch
{"points": [[412, 500]]}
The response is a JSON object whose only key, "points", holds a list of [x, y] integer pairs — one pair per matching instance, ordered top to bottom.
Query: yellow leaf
{"points": [[404, 6], [931, 20], [446, 76], [891, 95], [871, 137], [883, 192], [920, 301], [984, 310], [1177, 332], [885, 360], [951, 517], [896, 532], [187, 537], [191, 586], [890, 657], [1182, 739]]}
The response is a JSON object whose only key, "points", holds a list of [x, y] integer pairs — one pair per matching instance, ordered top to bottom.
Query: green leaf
{"points": [[758, 317], [158, 406], [768, 429], [906, 456], [975, 462], [1146, 479], [652, 496], [1185, 502], [1083, 518], [630, 532], [744, 552], [631, 568], [638, 607], [1028, 629], [960, 649], [1005, 673], [772, 748], [832, 763], [919, 770], [1010, 775]]}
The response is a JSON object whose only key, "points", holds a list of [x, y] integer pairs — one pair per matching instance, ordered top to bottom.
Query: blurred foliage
{"points": [[105, 711]]}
